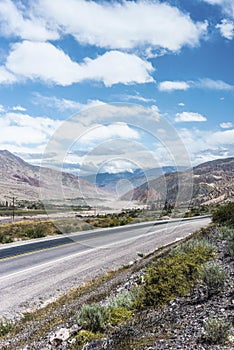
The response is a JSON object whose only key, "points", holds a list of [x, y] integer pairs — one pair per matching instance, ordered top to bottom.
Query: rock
{"points": [[59, 336], [94, 345]]}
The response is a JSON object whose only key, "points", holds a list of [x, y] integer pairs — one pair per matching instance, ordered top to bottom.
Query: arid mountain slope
{"points": [[23, 181], [210, 182]]}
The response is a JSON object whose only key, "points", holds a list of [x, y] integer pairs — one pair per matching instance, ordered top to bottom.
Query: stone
{"points": [[59, 336]]}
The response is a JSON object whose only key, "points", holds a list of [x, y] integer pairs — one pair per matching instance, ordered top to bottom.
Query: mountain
{"points": [[137, 177], [26, 182], [207, 183]]}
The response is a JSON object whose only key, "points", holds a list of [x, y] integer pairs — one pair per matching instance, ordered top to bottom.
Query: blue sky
{"points": [[59, 58]]}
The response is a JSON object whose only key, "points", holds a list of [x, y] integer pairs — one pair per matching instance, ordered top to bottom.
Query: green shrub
{"points": [[224, 215], [35, 232], [225, 233], [5, 238], [230, 248], [201, 249], [175, 274], [213, 276], [165, 281], [124, 299], [119, 315], [94, 317], [5, 326], [216, 330], [85, 336]]}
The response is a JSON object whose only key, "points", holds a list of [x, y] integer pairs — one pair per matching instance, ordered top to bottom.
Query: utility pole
{"points": [[13, 206], [13, 209]]}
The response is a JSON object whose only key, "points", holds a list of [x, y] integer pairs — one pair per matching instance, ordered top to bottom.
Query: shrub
{"points": [[224, 215], [35, 232], [225, 233], [5, 238], [230, 248], [201, 249], [175, 274], [213, 276], [164, 281], [124, 299], [119, 315], [93, 317], [5, 326], [216, 330], [85, 336]]}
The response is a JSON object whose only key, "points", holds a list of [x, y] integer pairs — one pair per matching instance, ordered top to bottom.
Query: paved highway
{"points": [[32, 273]]}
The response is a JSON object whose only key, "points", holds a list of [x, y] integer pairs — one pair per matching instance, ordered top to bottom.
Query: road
{"points": [[34, 273]]}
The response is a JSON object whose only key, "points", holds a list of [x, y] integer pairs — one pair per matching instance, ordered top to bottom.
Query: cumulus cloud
{"points": [[226, 5], [19, 22], [115, 25], [226, 28], [39, 60], [6, 77], [173, 85], [18, 108], [189, 117], [226, 125], [20, 129], [102, 132], [207, 145]]}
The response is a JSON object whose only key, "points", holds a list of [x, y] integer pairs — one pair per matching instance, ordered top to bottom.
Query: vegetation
{"points": [[198, 210], [224, 215], [111, 220], [26, 229], [175, 274], [213, 276], [94, 317], [5, 326], [216, 330], [86, 336]]}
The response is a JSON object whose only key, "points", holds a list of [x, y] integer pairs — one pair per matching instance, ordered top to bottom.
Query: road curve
{"points": [[32, 273]]}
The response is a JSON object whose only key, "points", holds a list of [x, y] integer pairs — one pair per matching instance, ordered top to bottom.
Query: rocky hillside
{"points": [[23, 181], [207, 183]]}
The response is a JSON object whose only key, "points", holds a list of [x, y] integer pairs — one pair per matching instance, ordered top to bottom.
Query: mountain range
{"points": [[24, 181], [210, 182]]}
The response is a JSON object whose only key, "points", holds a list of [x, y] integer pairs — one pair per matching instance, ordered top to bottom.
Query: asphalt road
{"points": [[33, 273]]}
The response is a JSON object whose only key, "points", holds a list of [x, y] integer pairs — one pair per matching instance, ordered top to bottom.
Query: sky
{"points": [[115, 85]]}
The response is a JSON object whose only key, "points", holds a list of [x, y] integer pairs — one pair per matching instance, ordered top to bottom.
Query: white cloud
{"points": [[226, 5], [20, 22], [115, 25], [226, 28], [37, 60], [117, 67], [6, 77], [204, 83], [214, 84], [173, 85], [136, 97], [63, 104], [181, 104], [2, 108], [18, 108], [189, 117], [226, 125], [22, 129], [102, 132], [222, 137], [207, 145]]}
